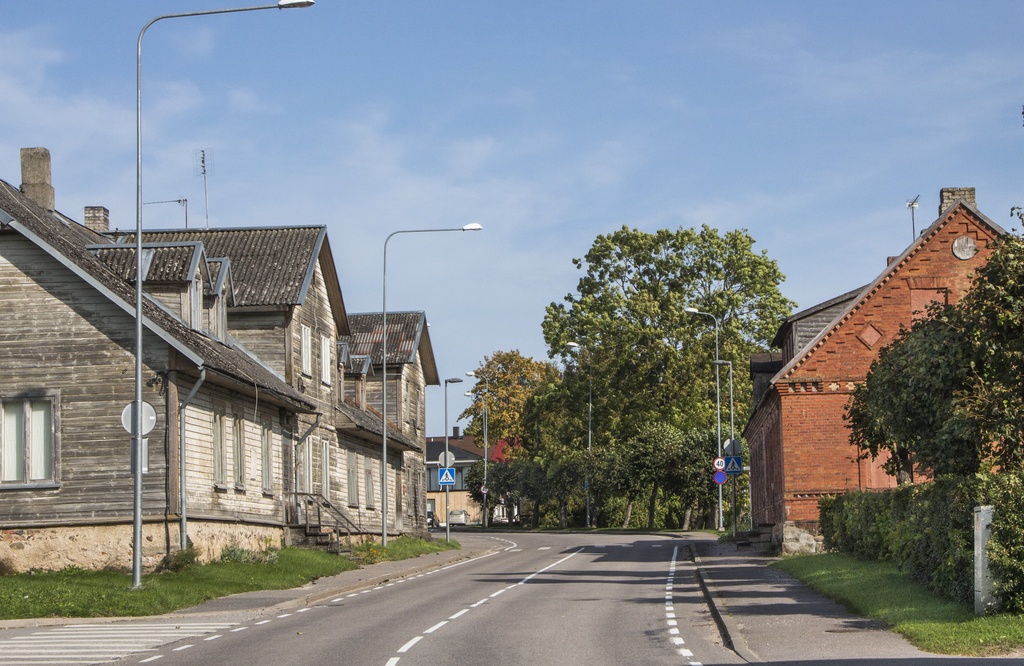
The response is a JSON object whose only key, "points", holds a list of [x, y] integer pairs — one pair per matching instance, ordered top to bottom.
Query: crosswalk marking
{"points": [[97, 643]]}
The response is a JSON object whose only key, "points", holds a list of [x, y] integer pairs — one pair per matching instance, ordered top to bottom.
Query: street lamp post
{"points": [[384, 373], [487, 397], [137, 404], [718, 404], [590, 415], [732, 439], [447, 488]]}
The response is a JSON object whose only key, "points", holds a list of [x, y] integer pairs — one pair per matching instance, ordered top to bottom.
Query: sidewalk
{"points": [[767, 616]]}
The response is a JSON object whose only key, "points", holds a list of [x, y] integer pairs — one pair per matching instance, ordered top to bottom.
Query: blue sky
{"points": [[810, 124]]}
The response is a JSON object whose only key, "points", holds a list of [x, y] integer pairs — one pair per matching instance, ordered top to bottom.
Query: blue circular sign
{"points": [[720, 477]]}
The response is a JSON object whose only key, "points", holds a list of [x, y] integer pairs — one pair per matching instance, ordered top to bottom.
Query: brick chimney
{"points": [[35, 176], [949, 195], [97, 218]]}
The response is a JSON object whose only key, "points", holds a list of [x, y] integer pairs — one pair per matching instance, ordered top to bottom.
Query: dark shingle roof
{"points": [[67, 243], [270, 266], [403, 335], [408, 336], [368, 422]]}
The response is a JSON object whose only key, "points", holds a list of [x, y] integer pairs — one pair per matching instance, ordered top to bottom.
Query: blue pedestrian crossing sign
{"points": [[733, 465], [446, 476]]}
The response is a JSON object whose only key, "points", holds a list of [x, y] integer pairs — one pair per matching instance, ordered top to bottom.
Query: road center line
{"points": [[436, 627], [408, 646]]}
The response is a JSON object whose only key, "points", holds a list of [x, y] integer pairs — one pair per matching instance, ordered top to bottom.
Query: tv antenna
{"points": [[204, 168], [182, 201], [912, 205]]}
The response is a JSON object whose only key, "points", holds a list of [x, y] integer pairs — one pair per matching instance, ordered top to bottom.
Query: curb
{"points": [[732, 637]]}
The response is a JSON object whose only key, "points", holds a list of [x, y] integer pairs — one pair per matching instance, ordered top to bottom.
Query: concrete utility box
{"points": [[984, 598]]}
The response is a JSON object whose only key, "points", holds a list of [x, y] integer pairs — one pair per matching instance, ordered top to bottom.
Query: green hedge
{"points": [[927, 530]]}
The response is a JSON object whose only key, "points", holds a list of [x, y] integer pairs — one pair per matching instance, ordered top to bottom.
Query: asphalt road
{"points": [[541, 599]]}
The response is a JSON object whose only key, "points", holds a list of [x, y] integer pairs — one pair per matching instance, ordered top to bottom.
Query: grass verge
{"points": [[879, 590], [78, 593]]}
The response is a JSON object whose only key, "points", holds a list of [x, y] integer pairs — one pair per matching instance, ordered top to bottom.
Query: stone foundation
{"points": [[798, 537], [110, 546]]}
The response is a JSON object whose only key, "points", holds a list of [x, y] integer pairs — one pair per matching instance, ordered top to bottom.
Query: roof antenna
{"points": [[204, 167], [181, 202], [913, 225]]}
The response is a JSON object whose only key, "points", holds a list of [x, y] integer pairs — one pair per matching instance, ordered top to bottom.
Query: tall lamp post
{"points": [[384, 373], [487, 398], [718, 404], [137, 408], [590, 415], [732, 439], [447, 516]]}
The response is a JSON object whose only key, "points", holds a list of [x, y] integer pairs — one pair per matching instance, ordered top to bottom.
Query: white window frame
{"points": [[306, 351], [325, 360], [29, 440], [238, 450], [267, 455], [325, 467], [220, 471], [368, 472], [353, 479]]}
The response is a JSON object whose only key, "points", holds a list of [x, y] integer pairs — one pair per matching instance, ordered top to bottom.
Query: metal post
{"points": [[384, 373], [718, 405], [137, 410], [447, 488]]}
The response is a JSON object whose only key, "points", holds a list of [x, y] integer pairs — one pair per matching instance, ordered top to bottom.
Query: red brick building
{"points": [[799, 443]]}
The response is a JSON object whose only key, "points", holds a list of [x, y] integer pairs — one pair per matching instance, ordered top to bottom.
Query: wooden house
{"points": [[411, 368], [253, 443]]}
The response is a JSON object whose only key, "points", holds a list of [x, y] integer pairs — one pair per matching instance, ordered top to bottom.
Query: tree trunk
{"points": [[651, 506], [629, 513], [686, 518]]}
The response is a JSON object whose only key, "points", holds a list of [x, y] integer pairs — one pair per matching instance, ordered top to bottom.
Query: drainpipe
{"points": [[183, 542]]}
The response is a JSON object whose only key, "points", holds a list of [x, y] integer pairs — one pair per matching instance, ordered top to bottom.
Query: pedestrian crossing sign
{"points": [[733, 465], [446, 476]]}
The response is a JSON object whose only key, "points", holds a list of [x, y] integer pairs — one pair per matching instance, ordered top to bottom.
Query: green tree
{"points": [[993, 315], [646, 359], [512, 379], [906, 405]]}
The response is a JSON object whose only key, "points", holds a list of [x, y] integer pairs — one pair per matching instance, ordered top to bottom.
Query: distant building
{"points": [[799, 442]]}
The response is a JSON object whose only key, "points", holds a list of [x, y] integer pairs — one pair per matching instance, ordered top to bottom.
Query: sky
{"points": [[809, 124]]}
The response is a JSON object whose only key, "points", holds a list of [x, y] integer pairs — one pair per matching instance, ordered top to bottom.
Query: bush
{"points": [[925, 529], [1006, 546], [245, 556], [178, 560]]}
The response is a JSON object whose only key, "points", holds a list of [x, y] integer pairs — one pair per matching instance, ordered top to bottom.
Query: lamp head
{"points": [[295, 4], [472, 226], [691, 310], [572, 345], [471, 374], [453, 380]]}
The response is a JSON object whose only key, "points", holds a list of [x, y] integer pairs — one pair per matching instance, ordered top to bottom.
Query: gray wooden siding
{"points": [[60, 334]]}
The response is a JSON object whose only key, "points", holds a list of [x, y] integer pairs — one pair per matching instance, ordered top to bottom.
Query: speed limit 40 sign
{"points": [[719, 464]]}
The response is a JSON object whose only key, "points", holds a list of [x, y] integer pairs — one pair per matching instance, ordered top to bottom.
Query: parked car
{"points": [[458, 517], [431, 520]]}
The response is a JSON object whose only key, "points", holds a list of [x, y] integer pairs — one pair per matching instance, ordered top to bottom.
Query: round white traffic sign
{"points": [[148, 418], [447, 459], [719, 464], [483, 490]]}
